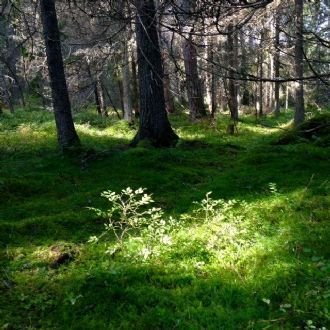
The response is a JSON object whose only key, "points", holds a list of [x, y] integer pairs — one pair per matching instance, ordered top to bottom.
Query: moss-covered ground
{"points": [[262, 263]]}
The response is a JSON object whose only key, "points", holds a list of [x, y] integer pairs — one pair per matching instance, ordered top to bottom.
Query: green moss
{"points": [[265, 265]]}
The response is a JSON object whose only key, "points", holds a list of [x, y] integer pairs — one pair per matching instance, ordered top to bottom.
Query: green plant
{"points": [[273, 188], [208, 206], [218, 209], [129, 210]]}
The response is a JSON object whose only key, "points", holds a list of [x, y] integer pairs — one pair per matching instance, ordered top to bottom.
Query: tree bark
{"points": [[165, 45], [277, 66], [211, 80], [193, 81], [232, 83], [194, 86], [135, 89], [127, 96], [100, 97], [260, 97], [299, 114], [154, 124], [66, 133]]}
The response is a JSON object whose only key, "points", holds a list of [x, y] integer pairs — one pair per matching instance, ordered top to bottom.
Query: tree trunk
{"points": [[165, 46], [13, 58], [277, 66], [211, 80], [193, 81], [232, 83], [194, 86], [135, 89], [245, 90], [98, 92], [121, 92], [287, 94], [100, 97], [260, 97], [127, 98], [97, 100], [299, 114], [154, 124], [66, 133]]}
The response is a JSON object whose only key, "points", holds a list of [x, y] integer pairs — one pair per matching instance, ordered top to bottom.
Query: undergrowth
{"points": [[253, 254]]}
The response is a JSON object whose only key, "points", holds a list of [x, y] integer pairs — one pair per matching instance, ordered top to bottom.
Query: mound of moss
{"points": [[316, 129]]}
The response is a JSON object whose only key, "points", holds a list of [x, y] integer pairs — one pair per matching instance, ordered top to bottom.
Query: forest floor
{"points": [[253, 255]]}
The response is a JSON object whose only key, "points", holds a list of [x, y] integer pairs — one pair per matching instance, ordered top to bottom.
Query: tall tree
{"points": [[233, 63], [277, 64], [126, 74], [193, 81], [299, 114], [154, 124], [66, 133]]}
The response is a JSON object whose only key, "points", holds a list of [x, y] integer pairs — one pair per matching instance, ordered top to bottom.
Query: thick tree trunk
{"points": [[193, 81], [232, 83], [194, 86], [169, 99], [299, 115], [154, 124], [66, 133]]}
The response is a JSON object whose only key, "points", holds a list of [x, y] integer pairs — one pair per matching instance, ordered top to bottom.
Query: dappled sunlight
{"points": [[34, 137]]}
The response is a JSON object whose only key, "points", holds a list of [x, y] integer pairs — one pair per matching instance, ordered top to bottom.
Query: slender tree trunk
{"points": [[13, 58], [277, 66], [211, 80], [232, 83], [270, 85], [104, 88], [135, 89], [5, 90], [245, 91], [98, 92], [121, 93], [287, 94], [127, 97], [101, 98], [260, 98], [97, 100], [299, 115], [154, 124], [66, 133]]}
